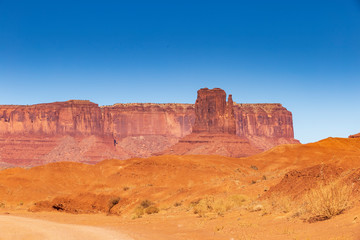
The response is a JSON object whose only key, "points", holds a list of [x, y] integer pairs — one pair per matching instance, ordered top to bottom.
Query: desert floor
{"points": [[265, 196]]}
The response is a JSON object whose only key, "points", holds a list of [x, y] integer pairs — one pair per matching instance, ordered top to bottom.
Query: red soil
{"points": [[173, 182]]}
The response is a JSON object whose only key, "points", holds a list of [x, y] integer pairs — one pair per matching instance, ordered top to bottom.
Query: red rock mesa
{"points": [[212, 113], [214, 130], [82, 131]]}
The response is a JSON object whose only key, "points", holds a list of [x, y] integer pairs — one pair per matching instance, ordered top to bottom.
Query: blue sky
{"points": [[301, 53]]}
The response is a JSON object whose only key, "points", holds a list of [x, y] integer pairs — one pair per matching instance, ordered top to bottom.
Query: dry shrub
{"points": [[239, 199], [327, 201], [113, 202], [146, 203], [320, 203], [275, 204], [282, 204], [145, 206], [217, 206], [151, 210], [138, 212]]}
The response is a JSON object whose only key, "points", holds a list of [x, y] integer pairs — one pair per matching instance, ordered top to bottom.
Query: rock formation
{"points": [[212, 113], [214, 130], [82, 131], [355, 136]]}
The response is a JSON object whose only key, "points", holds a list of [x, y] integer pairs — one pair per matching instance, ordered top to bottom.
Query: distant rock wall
{"points": [[60, 118], [138, 119], [38, 133]]}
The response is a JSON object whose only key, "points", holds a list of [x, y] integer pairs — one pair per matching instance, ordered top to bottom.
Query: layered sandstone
{"points": [[212, 113], [73, 117], [139, 119], [214, 129], [43, 132]]}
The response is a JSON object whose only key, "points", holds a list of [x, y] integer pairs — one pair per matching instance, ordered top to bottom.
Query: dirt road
{"points": [[20, 228]]}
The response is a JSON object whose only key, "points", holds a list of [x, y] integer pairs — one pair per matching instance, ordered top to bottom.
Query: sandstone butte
{"points": [[81, 131]]}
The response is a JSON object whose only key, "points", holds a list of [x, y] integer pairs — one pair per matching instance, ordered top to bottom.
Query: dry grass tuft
{"points": [[327, 201], [320, 203], [282, 204], [145, 206], [211, 206], [151, 210]]}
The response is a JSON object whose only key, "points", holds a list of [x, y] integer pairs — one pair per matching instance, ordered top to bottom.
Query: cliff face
{"points": [[212, 113], [60, 118], [139, 119], [263, 120], [43, 132]]}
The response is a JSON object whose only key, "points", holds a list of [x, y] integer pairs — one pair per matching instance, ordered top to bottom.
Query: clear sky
{"points": [[304, 54]]}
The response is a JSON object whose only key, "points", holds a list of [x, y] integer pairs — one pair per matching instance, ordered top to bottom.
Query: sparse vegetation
{"points": [[254, 167], [126, 188], [327, 201], [113, 202], [146, 203], [320, 203], [281, 204], [145, 206], [211, 206], [151, 210], [138, 212]]}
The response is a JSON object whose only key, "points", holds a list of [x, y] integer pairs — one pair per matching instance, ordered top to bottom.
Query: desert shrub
{"points": [[126, 188], [239, 199], [327, 201], [113, 202], [146, 203], [281, 203], [177, 204], [275, 204], [145, 206], [203, 206], [217, 206], [151, 210], [138, 212]]}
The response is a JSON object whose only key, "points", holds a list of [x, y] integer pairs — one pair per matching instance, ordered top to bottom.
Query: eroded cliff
{"points": [[82, 131]]}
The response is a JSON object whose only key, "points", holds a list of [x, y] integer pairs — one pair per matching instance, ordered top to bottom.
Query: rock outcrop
{"points": [[212, 113], [214, 130], [35, 134], [355, 136]]}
